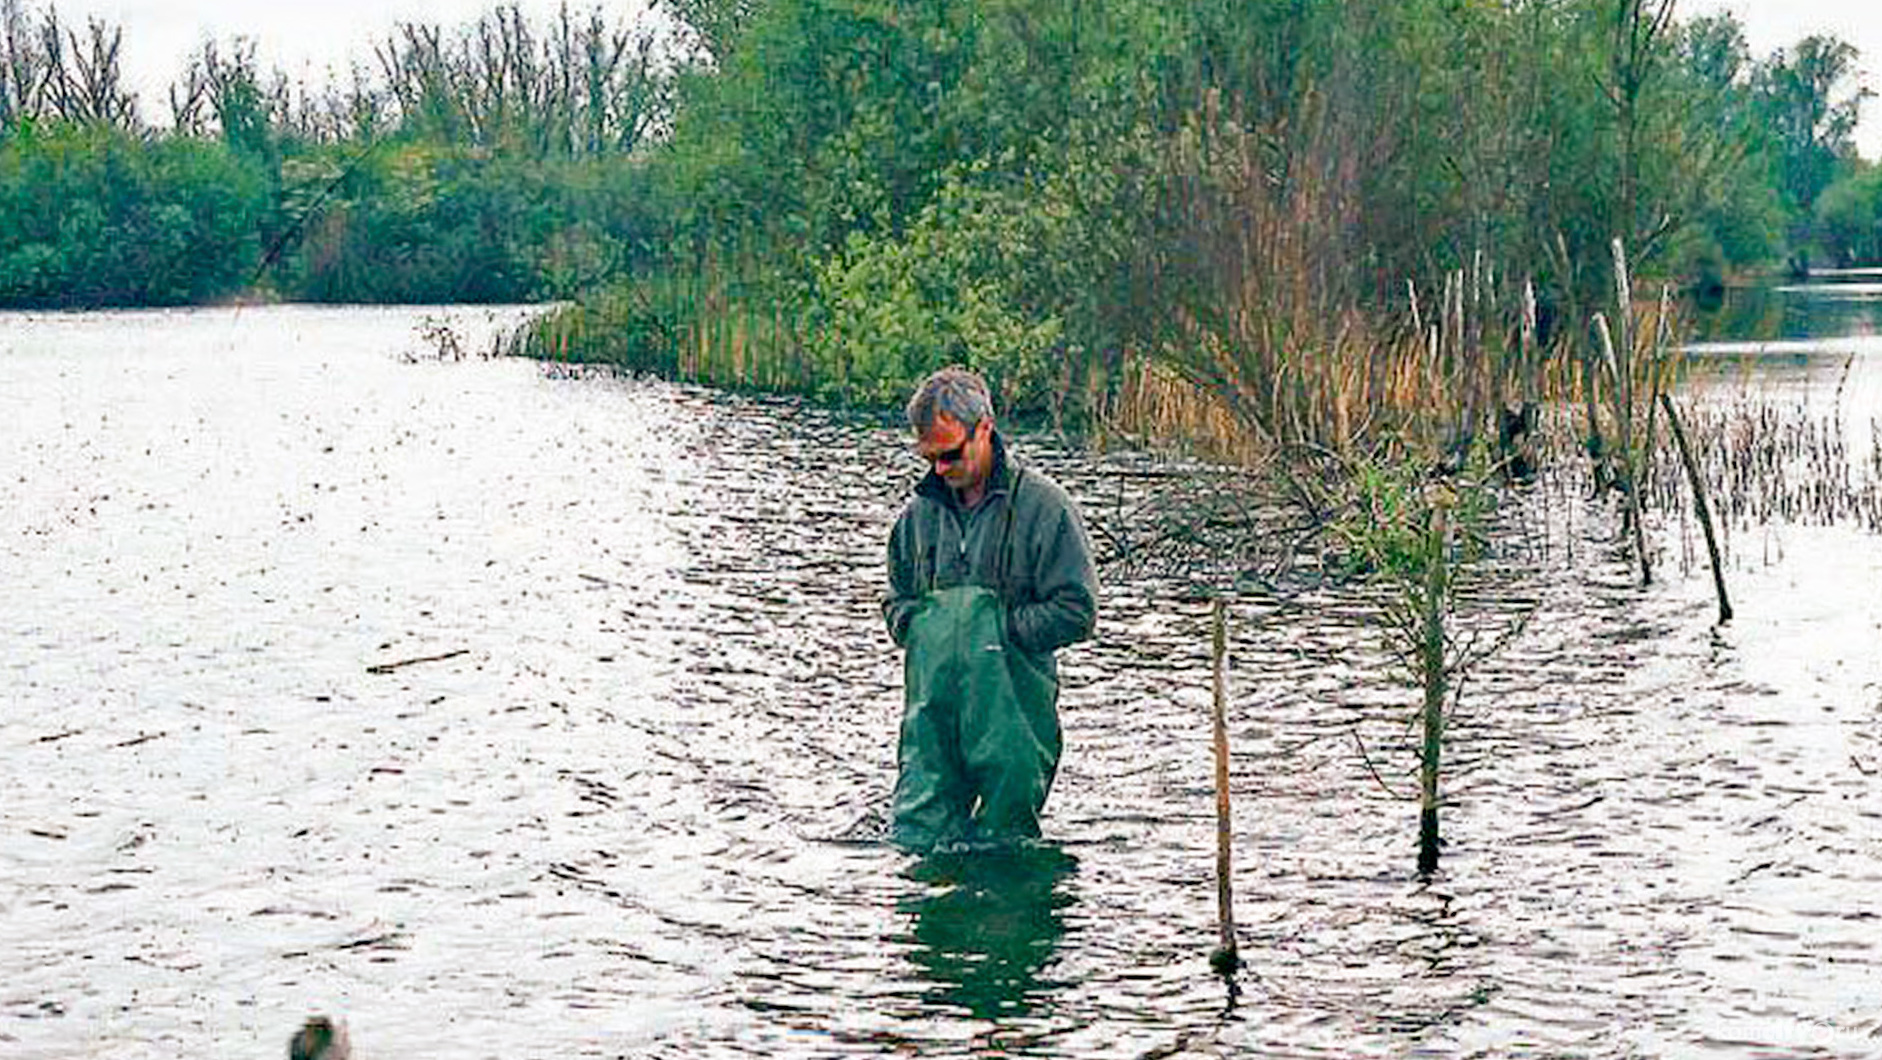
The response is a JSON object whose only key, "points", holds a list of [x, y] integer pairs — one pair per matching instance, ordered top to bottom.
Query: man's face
{"points": [[961, 457]]}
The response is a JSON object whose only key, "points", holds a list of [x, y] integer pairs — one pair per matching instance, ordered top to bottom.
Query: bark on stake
{"points": [[1226, 959]]}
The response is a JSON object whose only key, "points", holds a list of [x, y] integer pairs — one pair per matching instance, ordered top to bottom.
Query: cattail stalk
{"points": [[1630, 491]]}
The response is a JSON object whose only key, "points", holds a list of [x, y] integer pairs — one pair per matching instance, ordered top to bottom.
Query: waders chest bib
{"points": [[980, 727]]}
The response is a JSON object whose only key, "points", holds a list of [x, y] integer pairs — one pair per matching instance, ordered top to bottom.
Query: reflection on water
{"points": [[1833, 305], [509, 711], [985, 926]]}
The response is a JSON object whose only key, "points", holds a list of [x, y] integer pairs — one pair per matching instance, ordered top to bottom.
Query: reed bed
{"points": [[706, 327], [1156, 407], [1770, 461]]}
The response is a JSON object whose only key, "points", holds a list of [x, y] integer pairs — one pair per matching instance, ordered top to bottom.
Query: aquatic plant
{"points": [[713, 325], [1377, 465], [1408, 531]]}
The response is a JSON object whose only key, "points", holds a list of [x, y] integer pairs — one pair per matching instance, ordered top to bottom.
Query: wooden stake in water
{"points": [[1699, 504], [1431, 659], [1227, 958]]}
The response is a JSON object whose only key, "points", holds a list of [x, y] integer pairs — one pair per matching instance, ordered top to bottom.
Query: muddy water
{"points": [[511, 712]]}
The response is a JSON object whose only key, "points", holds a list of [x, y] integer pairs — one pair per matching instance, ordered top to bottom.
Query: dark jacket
{"points": [[1041, 566]]}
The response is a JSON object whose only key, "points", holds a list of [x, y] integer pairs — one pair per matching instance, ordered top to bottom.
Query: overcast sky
{"points": [[310, 37], [304, 38]]}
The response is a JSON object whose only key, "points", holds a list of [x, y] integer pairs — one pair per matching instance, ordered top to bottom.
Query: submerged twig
{"points": [[388, 667]]}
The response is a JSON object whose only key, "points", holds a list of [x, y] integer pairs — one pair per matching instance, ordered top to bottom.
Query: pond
{"points": [[506, 710]]}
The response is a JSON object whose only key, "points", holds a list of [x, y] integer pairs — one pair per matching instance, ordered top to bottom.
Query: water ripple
{"points": [[536, 712]]}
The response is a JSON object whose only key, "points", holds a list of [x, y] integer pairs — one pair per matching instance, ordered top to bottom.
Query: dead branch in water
{"points": [[1699, 504], [1212, 527], [388, 667]]}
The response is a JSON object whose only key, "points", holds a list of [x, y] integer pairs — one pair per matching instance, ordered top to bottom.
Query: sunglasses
{"points": [[954, 455]]}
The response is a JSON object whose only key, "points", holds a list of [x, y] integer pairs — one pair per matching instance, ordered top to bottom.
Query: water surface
{"points": [[514, 711]]}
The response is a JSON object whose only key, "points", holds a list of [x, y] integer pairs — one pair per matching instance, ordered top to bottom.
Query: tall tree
{"points": [[1638, 49], [1809, 98]]}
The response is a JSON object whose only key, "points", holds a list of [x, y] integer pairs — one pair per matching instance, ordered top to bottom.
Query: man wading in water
{"points": [[989, 574]]}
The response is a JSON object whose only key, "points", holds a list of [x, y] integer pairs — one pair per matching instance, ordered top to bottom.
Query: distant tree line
{"points": [[498, 161]]}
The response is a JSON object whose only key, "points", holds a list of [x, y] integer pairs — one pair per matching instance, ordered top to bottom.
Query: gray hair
{"points": [[953, 390]]}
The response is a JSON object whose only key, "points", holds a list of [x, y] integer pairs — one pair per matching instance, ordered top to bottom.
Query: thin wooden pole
{"points": [[1699, 504], [1431, 654], [1226, 959]]}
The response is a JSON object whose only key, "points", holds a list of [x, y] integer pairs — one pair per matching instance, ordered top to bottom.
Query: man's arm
{"points": [[904, 579], [1066, 606]]}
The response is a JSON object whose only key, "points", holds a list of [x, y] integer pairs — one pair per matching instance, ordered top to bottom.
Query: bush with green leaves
{"points": [[95, 216], [414, 221], [948, 290], [1382, 530]]}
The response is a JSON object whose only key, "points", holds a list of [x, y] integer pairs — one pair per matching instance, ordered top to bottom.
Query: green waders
{"points": [[980, 728]]}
